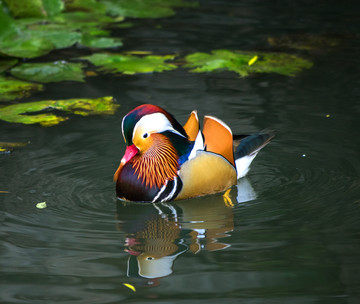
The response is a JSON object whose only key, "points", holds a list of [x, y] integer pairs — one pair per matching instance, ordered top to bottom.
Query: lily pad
{"points": [[85, 6], [53, 7], [26, 8], [34, 8], [145, 8], [85, 19], [7, 24], [59, 35], [35, 37], [100, 42], [305, 42], [25, 47], [238, 62], [5, 64], [128, 64], [49, 71], [11, 89], [30, 112], [7, 147]]}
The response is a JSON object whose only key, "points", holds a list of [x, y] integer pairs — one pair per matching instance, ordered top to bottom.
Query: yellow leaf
{"points": [[252, 60], [90, 73], [41, 205], [130, 286]]}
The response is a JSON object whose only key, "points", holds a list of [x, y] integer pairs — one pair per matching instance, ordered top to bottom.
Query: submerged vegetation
{"points": [[31, 29]]}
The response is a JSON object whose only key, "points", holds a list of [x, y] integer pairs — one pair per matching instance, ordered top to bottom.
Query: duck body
{"points": [[165, 161]]}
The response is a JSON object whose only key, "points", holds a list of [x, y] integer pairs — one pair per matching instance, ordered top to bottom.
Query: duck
{"points": [[165, 161]]}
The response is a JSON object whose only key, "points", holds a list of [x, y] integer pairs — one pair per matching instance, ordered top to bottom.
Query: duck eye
{"points": [[145, 135]]}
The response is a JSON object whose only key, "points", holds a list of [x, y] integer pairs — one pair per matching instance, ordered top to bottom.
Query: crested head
{"points": [[147, 119]]}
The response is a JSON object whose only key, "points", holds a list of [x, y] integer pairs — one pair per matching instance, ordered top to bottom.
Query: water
{"points": [[291, 231]]}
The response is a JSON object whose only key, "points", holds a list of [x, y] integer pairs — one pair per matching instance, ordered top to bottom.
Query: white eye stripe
{"points": [[154, 123]]}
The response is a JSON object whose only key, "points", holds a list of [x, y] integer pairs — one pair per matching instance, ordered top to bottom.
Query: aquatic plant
{"points": [[42, 111]]}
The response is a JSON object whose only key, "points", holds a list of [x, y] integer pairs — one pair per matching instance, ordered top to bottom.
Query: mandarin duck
{"points": [[165, 161]]}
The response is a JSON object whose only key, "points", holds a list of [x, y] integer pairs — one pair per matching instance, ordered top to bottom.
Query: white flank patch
{"points": [[242, 164]]}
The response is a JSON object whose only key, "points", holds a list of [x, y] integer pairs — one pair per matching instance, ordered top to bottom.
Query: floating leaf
{"points": [[85, 6], [53, 7], [26, 8], [34, 8], [145, 8], [85, 19], [7, 24], [59, 35], [34, 37], [100, 42], [305, 42], [25, 47], [237, 61], [5, 64], [127, 64], [49, 71], [12, 88], [31, 112], [9, 146], [41, 205], [130, 286]]}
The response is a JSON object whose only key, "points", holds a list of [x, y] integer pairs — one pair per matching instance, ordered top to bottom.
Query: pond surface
{"points": [[291, 231]]}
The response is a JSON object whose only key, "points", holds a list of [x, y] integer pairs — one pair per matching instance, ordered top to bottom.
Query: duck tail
{"points": [[247, 147]]}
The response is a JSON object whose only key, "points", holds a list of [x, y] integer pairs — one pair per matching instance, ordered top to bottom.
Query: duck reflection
{"points": [[156, 234]]}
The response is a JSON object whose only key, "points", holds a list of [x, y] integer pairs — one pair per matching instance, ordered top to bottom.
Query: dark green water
{"points": [[292, 234]]}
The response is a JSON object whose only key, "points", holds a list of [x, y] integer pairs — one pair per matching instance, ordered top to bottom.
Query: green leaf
{"points": [[85, 6], [53, 7], [26, 8], [145, 8], [84, 19], [7, 24], [59, 35], [100, 42], [305, 42], [25, 47], [238, 62], [5, 64], [128, 64], [49, 71], [11, 89], [19, 113], [7, 147], [41, 205]]}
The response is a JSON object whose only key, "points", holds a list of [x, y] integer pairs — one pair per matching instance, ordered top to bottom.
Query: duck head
{"points": [[155, 143]]}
